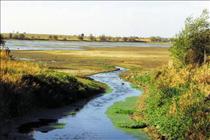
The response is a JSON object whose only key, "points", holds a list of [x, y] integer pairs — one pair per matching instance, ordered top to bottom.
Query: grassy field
{"points": [[94, 60]]}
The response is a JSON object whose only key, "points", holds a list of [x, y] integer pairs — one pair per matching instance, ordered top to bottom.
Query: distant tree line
{"points": [[81, 37], [160, 39]]}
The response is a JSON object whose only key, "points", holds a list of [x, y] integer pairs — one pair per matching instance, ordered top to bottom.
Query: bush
{"points": [[192, 44], [177, 108]]}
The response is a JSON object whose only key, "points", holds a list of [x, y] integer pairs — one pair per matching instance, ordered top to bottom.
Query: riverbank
{"points": [[81, 37], [26, 87], [175, 101], [42, 119], [78, 121]]}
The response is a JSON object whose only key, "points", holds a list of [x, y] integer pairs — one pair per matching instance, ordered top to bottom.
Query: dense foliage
{"points": [[192, 44], [175, 101]]}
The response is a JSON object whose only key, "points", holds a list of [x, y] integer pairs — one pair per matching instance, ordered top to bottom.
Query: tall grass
{"points": [[25, 86]]}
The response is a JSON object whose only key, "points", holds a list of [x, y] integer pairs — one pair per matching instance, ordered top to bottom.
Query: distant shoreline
{"points": [[82, 37], [83, 41], [74, 45]]}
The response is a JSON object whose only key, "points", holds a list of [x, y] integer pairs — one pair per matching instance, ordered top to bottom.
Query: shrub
{"points": [[192, 44], [177, 108]]}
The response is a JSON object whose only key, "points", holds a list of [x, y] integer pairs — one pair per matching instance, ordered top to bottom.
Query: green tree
{"points": [[10, 36], [21, 36], [55, 37], [92, 38], [103, 38], [125, 39], [156, 39], [191, 45]]}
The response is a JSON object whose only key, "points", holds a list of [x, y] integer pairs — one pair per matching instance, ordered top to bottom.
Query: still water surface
{"points": [[72, 45], [91, 122]]}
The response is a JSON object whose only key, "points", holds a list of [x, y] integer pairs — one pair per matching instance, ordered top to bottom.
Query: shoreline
{"points": [[86, 41], [10, 127]]}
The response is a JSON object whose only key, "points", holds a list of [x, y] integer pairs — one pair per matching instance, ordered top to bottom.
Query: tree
{"points": [[10, 35], [16, 35], [22, 36], [50, 37], [55, 37], [81, 37], [92, 38], [103, 38], [125, 39], [132, 39], [156, 39], [2, 42], [192, 44]]}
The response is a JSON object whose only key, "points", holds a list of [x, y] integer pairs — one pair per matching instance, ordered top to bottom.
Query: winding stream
{"points": [[91, 122]]}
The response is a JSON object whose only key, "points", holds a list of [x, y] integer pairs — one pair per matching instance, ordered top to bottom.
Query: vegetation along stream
{"points": [[91, 122]]}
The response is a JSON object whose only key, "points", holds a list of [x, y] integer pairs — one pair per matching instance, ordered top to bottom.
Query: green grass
{"points": [[108, 90], [72, 113], [121, 115], [58, 125]]}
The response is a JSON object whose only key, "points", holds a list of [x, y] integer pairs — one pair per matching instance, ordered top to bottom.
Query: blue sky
{"points": [[133, 18]]}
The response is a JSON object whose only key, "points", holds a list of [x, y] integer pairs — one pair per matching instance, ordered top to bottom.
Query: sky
{"points": [[115, 18]]}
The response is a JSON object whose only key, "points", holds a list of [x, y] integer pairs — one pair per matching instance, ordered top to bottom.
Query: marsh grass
{"points": [[95, 60], [22, 81], [27, 86], [122, 114]]}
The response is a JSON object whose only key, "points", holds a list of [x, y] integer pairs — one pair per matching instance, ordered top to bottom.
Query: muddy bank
{"points": [[42, 120]]}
